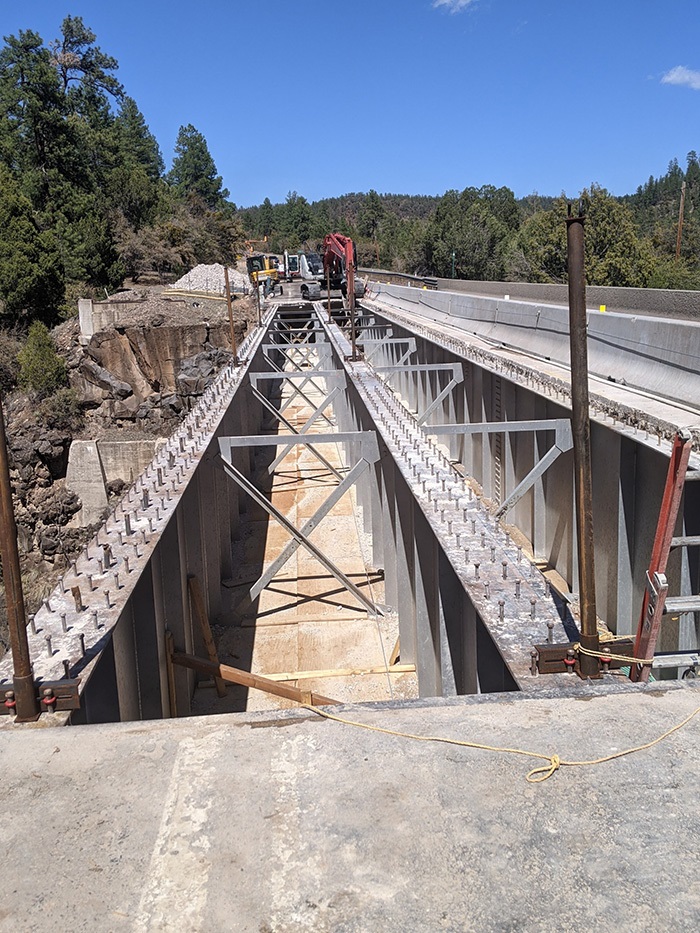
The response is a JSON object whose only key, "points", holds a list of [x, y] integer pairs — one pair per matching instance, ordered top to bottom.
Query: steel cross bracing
{"points": [[295, 336], [382, 343], [292, 355], [296, 365], [400, 367], [305, 377], [280, 417], [308, 424], [563, 441], [300, 536], [511, 596]]}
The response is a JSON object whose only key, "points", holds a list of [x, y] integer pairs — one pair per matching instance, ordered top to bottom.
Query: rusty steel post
{"points": [[350, 284], [328, 292], [234, 346], [581, 430], [27, 708]]}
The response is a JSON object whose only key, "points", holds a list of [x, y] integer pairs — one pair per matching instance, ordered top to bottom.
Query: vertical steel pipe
{"points": [[350, 280], [328, 291], [234, 347], [581, 429], [27, 707]]}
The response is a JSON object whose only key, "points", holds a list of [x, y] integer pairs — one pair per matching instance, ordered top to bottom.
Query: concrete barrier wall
{"points": [[662, 301], [96, 316], [659, 355], [93, 464]]}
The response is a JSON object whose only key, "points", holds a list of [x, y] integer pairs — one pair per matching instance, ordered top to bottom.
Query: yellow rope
{"points": [[624, 658], [536, 775]]}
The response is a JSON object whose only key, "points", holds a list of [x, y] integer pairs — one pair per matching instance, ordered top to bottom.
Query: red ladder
{"points": [[656, 601]]}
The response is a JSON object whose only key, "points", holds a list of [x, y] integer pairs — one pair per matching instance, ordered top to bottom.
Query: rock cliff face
{"points": [[146, 375]]}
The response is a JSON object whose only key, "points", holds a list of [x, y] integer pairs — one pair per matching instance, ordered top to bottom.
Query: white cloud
{"points": [[454, 6], [682, 75]]}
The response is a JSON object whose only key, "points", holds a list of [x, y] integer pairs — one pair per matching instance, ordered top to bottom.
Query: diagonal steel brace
{"points": [[322, 359], [457, 377], [297, 389], [319, 411], [280, 417], [563, 441], [369, 453], [292, 546]]}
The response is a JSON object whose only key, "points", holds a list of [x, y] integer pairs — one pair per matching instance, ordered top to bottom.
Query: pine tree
{"points": [[137, 145], [194, 171], [31, 281]]}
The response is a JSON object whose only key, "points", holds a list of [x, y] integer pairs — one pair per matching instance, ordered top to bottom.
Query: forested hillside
{"points": [[84, 201], [485, 233]]}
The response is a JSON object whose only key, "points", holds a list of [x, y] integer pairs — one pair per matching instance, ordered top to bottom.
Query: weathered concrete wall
{"points": [[95, 316], [126, 459], [93, 464], [86, 478]]}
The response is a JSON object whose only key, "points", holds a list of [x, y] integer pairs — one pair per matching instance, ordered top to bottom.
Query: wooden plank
{"points": [[200, 612], [254, 622], [169, 650], [396, 653], [343, 672], [255, 681]]}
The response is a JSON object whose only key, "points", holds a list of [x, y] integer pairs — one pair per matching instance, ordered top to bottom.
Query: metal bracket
{"points": [[563, 441], [551, 659], [64, 692]]}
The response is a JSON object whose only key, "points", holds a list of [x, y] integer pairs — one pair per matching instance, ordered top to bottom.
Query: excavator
{"points": [[340, 264], [262, 270]]}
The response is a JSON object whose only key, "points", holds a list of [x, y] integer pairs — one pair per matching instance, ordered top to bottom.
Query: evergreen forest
{"points": [[86, 203]]}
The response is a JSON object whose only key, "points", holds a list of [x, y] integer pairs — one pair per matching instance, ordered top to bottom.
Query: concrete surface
{"points": [[665, 302], [657, 355], [86, 478], [287, 822]]}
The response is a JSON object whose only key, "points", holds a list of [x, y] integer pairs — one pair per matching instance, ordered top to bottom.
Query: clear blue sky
{"points": [[406, 96]]}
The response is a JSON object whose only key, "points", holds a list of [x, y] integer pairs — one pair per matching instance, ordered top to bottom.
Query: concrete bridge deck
{"points": [[285, 822]]}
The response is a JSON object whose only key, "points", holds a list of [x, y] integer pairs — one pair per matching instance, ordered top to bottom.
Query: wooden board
{"points": [[200, 612], [343, 672], [254, 681]]}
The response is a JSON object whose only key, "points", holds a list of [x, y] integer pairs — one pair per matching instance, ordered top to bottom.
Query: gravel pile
{"points": [[205, 278]]}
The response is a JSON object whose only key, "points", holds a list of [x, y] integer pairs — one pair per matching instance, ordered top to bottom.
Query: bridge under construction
{"points": [[378, 506]]}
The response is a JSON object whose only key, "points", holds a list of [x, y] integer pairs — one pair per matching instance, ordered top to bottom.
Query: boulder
{"points": [[104, 379]]}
